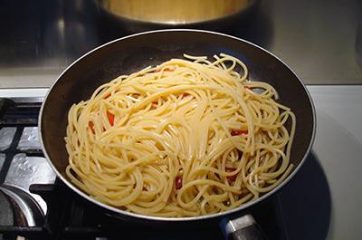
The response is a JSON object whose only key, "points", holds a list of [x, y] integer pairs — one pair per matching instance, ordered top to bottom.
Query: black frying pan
{"points": [[126, 55]]}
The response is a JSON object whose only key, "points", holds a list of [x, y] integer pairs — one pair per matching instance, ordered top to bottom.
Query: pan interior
{"points": [[127, 55]]}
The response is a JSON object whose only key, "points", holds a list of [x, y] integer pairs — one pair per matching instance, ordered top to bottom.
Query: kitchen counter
{"points": [[320, 40]]}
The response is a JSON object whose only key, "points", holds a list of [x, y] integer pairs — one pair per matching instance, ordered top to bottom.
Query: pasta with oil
{"points": [[187, 137]]}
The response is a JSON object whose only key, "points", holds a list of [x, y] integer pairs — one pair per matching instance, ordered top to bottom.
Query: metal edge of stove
{"points": [[24, 94], [27, 99]]}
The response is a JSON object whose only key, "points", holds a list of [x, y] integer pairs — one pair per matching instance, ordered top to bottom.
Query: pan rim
{"points": [[176, 219]]}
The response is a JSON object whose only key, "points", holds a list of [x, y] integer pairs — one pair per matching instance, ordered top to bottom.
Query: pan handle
{"points": [[242, 228]]}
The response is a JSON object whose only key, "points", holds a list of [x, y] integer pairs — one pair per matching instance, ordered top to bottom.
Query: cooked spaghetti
{"points": [[185, 138]]}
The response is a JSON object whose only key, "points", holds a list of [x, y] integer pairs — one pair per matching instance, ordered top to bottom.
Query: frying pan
{"points": [[131, 53]]}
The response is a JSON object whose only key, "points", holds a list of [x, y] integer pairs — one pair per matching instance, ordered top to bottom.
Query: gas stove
{"points": [[36, 205]]}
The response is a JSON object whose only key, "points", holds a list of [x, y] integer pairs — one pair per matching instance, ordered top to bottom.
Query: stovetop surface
{"points": [[321, 202]]}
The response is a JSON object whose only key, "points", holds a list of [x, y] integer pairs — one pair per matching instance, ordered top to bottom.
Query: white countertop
{"points": [[338, 146]]}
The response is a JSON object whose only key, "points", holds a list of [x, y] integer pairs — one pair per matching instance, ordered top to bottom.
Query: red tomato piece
{"points": [[110, 117], [91, 126], [237, 132], [178, 182]]}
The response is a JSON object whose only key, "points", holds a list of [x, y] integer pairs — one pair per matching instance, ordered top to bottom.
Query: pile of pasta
{"points": [[188, 137]]}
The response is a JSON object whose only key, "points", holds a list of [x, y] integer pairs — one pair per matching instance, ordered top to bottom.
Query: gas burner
{"points": [[22, 209], [7, 215]]}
